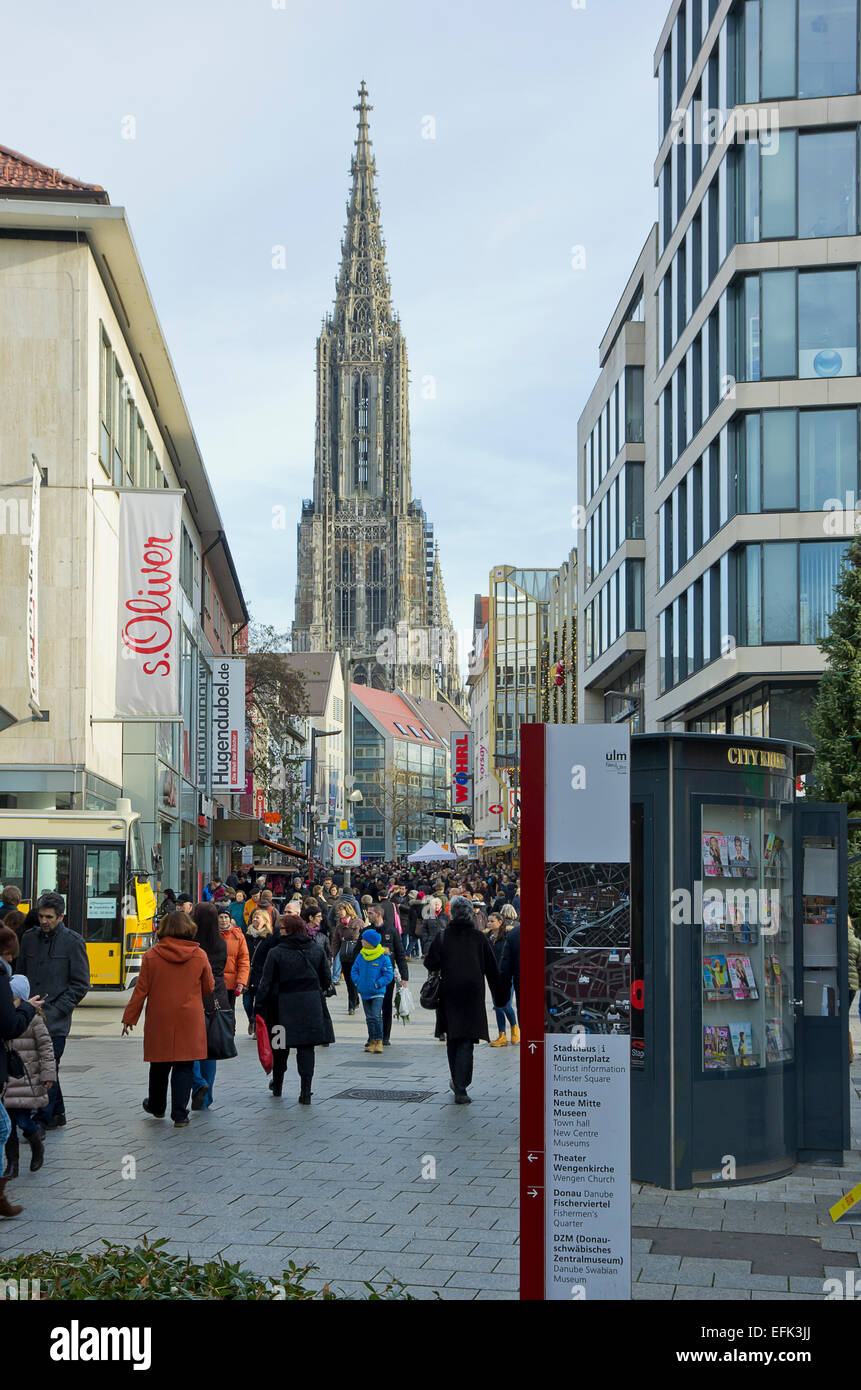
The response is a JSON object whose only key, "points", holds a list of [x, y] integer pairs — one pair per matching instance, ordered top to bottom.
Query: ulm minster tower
{"points": [[369, 583]]}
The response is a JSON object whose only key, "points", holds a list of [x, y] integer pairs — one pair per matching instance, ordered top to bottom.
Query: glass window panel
{"points": [[827, 47], [778, 49], [751, 50], [748, 165], [826, 183], [778, 185], [778, 323], [827, 324], [750, 328], [634, 404], [828, 458], [752, 463], [779, 463], [634, 501], [820, 570], [780, 592], [752, 637]]}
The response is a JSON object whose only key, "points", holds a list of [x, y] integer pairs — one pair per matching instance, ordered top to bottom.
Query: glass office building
{"points": [[751, 390]]}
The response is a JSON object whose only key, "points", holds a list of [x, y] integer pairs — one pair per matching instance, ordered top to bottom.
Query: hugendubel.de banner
{"points": [[148, 618]]}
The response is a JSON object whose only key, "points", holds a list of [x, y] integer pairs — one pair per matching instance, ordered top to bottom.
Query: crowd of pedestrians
{"points": [[284, 946]]}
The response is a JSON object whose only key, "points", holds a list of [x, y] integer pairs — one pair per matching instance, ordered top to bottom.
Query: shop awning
{"points": [[243, 829], [285, 849]]}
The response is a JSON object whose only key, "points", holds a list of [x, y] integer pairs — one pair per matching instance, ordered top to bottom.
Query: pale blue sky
{"points": [[546, 132]]}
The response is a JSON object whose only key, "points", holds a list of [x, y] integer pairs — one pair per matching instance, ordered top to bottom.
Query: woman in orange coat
{"points": [[238, 966], [174, 978]]}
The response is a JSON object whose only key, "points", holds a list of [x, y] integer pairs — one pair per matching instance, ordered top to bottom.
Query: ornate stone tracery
{"points": [[368, 569]]}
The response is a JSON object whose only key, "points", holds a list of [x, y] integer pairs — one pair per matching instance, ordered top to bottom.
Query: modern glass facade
{"points": [[756, 310]]}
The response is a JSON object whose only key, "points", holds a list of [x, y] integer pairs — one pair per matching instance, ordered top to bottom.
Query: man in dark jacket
{"points": [[390, 940], [54, 959]]}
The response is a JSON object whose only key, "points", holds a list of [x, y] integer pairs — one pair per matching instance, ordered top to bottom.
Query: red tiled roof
{"points": [[18, 174], [388, 709]]}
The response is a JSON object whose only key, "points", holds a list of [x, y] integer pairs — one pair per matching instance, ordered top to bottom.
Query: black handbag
{"points": [[430, 991], [220, 1027], [14, 1063]]}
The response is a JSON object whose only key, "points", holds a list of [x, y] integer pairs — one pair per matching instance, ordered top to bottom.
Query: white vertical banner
{"points": [[33, 589], [148, 608], [227, 758], [587, 1044]]}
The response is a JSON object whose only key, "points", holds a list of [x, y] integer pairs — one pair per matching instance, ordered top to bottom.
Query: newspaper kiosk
{"points": [[739, 1019]]}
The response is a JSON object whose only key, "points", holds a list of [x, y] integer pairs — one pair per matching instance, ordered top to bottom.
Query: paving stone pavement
{"points": [[341, 1184], [423, 1192], [781, 1226]]}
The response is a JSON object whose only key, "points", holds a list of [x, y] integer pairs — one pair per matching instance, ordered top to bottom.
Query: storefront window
{"points": [[747, 963]]}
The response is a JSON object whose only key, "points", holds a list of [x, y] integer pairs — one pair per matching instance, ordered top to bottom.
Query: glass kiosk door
{"points": [[748, 966], [820, 1001]]}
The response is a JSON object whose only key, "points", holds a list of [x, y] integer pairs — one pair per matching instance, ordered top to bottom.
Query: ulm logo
{"points": [[616, 757]]}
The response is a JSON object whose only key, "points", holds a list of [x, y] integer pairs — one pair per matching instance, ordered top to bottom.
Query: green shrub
{"points": [[148, 1271]]}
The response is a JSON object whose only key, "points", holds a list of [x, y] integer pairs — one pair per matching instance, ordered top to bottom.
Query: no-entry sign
{"points": [[346, 852]]}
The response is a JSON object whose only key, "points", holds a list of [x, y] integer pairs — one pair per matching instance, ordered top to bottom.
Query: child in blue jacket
{"points": [[372, 971]]}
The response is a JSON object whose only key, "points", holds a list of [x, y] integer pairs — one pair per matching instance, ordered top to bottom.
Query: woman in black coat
{"points": [[214, 947], [464, 957], [291, 997]]}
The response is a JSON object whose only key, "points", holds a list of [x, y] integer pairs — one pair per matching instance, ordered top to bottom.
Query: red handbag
{"points": [[264, 1046]]}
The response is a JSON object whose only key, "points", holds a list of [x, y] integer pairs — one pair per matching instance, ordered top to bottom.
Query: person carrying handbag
{"points": [[464, 959], [175, 980], [291, 999], [218, 1015], [28, 1094]]}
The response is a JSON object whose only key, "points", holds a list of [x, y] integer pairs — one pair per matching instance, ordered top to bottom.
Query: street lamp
{"points": [[312, 789], [354, 798]]}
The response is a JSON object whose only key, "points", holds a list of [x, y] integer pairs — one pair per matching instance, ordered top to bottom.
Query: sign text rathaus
{"points": [[368, 569]]}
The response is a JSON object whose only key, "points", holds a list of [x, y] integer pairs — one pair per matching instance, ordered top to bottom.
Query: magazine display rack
{"points": [[747, 946]]}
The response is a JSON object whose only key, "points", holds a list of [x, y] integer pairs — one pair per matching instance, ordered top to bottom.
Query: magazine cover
{"points": [[772, 851], [715, 855], [739, 856], [742, 977], [715, 978], [773, 1040], [741, 1044], [708, 1046], [720, 1047]]}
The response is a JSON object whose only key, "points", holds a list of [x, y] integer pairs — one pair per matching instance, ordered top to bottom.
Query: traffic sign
{"points": [[346, 852]]}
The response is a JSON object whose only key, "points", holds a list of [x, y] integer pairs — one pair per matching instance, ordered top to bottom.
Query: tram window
{"points": [[12, 864], [53, 869], [103, 884]]}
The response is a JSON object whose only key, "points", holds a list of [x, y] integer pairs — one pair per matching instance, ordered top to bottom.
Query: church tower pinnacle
{"points": [[366, 575]]}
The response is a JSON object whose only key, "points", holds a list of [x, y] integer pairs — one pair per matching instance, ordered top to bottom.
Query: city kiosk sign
{"points": [[575, 1012]]}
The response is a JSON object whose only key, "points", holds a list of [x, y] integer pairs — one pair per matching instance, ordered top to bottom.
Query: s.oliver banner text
{"points": [[148, 620]]}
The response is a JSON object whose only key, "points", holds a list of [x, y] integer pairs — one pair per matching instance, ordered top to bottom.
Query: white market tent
{"points": [[430, 851]]}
